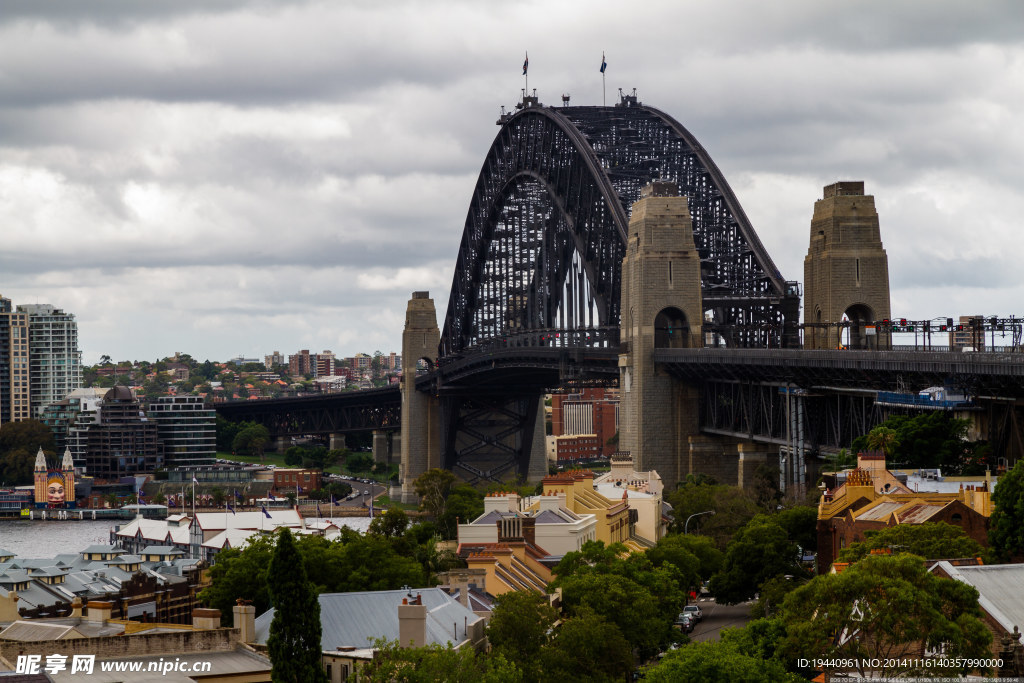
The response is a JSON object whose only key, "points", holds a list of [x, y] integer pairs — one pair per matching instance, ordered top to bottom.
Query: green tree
{"points": [[30, 435], [252, 439], [883, 439], [933, 439], [19, 444], [293, 456], [359, 462], [433, 487], [464, 503], [733, 508], [391, 524], [801, 525], [1006, 525], [931, 540], [677, 549], [760, 551], [240, 574], [640, 599], [883, 607], [518, 629], [294, 644], [587, 647], [717, 662], [396, 664]]}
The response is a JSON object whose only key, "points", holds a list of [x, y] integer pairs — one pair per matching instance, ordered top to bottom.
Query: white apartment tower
{"points": [[55, 363]]}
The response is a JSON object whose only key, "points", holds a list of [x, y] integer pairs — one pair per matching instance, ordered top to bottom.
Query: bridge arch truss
{"points": [[546, 230]]}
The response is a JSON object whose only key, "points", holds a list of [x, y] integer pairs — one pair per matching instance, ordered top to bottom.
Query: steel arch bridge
{"points": [[546, 229], [539, 266]]}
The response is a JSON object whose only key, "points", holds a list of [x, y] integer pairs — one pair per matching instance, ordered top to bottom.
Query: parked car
{"points": [[694, 611], [686, 622]]}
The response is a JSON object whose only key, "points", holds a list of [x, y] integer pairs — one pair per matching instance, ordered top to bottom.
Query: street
{"points": [[717, 617]]}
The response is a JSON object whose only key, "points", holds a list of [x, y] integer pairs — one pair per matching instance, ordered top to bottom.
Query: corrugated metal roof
{"points": [[879, 513], [919, 513], [1000, 587], [356, 619], [35, 630]]}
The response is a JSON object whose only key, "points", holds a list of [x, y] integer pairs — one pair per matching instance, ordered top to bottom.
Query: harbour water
{"points": [[32, 539], [39, 539]]}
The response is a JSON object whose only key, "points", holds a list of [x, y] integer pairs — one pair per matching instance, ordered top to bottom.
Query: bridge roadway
{"points": [[540, 369], [977, 374]]}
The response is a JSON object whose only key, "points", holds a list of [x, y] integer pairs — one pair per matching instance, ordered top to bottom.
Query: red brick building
{"points": [[586, 422], [288, 480], [872, 498]]}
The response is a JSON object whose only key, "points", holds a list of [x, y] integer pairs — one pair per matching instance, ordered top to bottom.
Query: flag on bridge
{"points": [[526, 63], [604, 64], [194, 480], [272, 496], [231, 508], [265, 513]]}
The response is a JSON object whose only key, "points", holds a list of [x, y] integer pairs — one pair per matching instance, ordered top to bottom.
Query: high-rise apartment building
{"points": [[55, 363], [300, 363], [15, 391], [186, 430], [115, 440]]}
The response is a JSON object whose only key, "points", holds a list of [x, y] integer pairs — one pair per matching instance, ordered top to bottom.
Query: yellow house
{"points": [[614, 522]]}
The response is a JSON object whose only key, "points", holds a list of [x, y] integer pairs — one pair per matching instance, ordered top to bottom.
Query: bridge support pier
{"points": [[661, 308], [421, 433], [336, 441], [280, 444], [380, 447], [710, 455], [751, 457], [538, 468]]}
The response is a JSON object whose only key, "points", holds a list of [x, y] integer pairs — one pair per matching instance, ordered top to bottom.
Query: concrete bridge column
{"points": [[661, 308], [421, 414], [336, 441], [281, 443], [380, 446], [713, 456], [751, 456], [538, 468]]}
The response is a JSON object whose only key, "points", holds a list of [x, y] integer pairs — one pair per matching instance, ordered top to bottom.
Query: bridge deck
{"points": [[980, 374]]}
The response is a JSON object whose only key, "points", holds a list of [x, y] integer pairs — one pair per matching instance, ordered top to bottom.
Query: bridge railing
{"points": [[587, 337], [945, 348]]}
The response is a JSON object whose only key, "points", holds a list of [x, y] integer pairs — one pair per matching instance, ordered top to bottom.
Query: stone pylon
{"points": [[846, 272], [661, 308], [421, 424]]}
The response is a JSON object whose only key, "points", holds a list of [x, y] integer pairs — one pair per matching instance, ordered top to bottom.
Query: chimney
{"points": [[510, 529], [529, 530], [462, 583], [76, 608], [99, 611], [205, 619], [245, 621], [412, 622]]}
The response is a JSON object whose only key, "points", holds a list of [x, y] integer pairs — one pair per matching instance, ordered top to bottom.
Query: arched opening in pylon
{"points": [[671, 329], [857, 335]]}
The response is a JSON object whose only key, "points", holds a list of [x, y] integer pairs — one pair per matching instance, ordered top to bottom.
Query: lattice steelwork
{"points": [[545, 232]]}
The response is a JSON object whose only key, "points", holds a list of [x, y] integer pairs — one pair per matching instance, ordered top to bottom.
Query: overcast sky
{"points": [[232, 178]]}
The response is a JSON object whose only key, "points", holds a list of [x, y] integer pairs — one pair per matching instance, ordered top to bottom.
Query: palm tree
{"points": [[883, 439]]}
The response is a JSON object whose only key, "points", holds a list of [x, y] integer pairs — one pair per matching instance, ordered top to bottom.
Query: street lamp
{"points": [[696, 514]]}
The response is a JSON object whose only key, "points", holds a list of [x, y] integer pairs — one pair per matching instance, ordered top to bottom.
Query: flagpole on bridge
{"points": [[604, 65], [526, 76]]}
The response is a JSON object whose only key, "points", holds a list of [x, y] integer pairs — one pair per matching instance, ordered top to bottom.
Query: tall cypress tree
{"points": [[294, 642]]}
